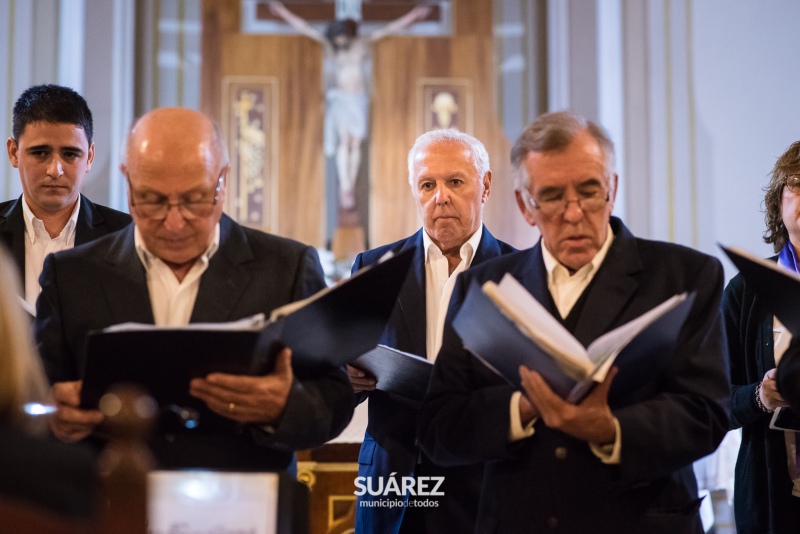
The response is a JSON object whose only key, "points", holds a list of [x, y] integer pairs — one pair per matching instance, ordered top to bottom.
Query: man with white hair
{"points": [[450, 180]]}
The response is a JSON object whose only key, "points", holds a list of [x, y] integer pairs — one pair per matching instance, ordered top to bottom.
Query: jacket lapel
{"points": [[87, 227], [12, 235], [487, 248], [533, 276], [225, 280], [612, 288], [127, 292], [412, 297]]}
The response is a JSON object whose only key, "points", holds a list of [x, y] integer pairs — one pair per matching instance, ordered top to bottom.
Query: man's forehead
{"points": [[49, 133], [446, 148], [443, 157], [562, 169], [167, 178]]}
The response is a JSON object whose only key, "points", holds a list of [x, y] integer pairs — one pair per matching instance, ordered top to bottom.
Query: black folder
{"points": [[778, 288], [345, 322], [332, 328], [496, 340], [398, 372]]}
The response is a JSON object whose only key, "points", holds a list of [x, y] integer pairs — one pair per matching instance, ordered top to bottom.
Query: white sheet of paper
{"points": [[209, 502]]}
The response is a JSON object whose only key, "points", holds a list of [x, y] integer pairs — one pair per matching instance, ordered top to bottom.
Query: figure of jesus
{"points": [[347, 94]]}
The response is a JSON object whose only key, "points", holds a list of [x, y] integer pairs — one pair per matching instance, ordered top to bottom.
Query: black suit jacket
{"points": [[93, 221], [104, 283], [390, 444], [553, 481], [762, 492]]}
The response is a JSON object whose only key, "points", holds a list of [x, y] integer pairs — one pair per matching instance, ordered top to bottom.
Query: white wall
{"points": [[92, 46], [747, 80]]}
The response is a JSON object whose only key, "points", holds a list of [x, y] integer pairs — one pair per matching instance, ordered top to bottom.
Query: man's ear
{"points": [[13, 155], [90, 157], [613, 184], [487, 186], [524, 205]]}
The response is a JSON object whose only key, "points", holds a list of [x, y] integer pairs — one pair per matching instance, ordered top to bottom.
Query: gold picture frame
{"points": [[445, 103], [250, 126]]}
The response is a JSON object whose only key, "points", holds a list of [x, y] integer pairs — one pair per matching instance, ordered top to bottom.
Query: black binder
{"points": [[778, 288], [330, 329], [398, 372]]}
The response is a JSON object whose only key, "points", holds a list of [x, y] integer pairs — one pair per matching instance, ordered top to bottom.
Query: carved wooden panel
{"points": [[399, 63]]}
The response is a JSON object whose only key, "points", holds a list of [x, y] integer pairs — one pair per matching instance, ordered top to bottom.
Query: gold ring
{"points": [[231, 407]]}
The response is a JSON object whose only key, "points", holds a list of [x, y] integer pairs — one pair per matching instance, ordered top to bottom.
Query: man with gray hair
{"points": [[450, 180], [621, 459]]}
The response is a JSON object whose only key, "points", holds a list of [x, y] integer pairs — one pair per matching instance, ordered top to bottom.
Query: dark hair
{"points": [[346, 27], [54, 104], [553, 132], [788, 164]]}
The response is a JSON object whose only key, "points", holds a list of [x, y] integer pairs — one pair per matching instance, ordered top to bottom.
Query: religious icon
{"points": [[444, 103], [250, 124]]}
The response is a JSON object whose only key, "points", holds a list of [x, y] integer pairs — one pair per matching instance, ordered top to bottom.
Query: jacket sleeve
{"points": [[742, 321], [59, 364], [318, 408], [688, 417]]}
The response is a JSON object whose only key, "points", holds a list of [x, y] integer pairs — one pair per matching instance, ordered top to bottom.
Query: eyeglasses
{"points": [[793, 184], [588, 202], [156, 207]]}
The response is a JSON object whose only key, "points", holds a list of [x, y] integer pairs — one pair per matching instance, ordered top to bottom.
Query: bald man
{"points": [[184, 261]]}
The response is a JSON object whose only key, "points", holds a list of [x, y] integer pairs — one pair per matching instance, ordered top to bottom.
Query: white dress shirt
{"points": [[39, 244], [439, 284], [566, 289], [172, 301]]}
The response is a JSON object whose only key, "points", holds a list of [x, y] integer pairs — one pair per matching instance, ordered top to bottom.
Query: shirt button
{"points": [[561, 453], [552, 522]]}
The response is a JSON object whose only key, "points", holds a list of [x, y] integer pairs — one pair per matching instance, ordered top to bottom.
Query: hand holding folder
{"points": [[778, 290], [505, 326], [324, 332], [397, 372]]}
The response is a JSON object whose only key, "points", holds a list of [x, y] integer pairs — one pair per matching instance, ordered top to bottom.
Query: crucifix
{"points": [[347, 73]]}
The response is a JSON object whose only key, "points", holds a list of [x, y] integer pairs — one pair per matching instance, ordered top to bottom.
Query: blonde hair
{"points": [[22, 378]]}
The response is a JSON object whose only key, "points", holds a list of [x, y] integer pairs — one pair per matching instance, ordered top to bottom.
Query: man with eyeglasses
{"points": [[52, 147], [184, 261], [616, 461]]}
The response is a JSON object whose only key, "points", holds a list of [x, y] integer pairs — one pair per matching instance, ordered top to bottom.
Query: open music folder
{"points": [[505, 326], [324, 332]]}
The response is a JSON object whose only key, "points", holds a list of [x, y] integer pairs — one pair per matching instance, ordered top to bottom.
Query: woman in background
{"points": [[34, 471], [767, 485]]}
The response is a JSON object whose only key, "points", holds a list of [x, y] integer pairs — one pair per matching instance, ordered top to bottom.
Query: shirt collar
{"points": [[30, 219], [467, 251], [147, 257], [551, 263]]}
